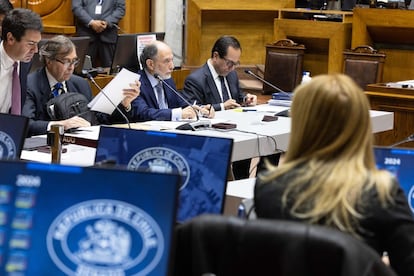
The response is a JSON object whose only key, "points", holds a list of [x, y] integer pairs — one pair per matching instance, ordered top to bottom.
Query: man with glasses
{"points": [[21, 32], [56, 77], [216, 82]]}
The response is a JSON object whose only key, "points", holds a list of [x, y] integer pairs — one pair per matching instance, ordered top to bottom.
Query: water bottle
{"points": [[305, 77]]}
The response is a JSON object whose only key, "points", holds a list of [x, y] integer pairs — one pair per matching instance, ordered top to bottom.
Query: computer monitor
{"points": [[81, 44], [126, 51], [13, 131], [202, 161], [400, 162], [63, 220]]}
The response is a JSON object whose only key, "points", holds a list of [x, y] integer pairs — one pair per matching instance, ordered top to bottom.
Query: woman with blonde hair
{"points": [[329, 176]]}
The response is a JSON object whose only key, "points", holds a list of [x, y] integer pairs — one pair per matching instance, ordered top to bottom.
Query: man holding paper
{"points": [[55, 78], [159, 99]]}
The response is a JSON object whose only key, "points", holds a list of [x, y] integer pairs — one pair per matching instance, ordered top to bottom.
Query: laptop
{"points": [[127, 52], [13, 131], [202, 161], [400, 162], [66, 220]]}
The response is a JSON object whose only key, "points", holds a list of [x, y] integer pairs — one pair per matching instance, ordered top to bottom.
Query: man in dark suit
{"points": [[98, 19], [21, 32], [56, 76], [216, 82], [157, 101]]}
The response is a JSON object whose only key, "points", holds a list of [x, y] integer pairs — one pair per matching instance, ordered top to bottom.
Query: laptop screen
{"points": [[13, 131], [202, 161], [400, 162], [63, 220]]}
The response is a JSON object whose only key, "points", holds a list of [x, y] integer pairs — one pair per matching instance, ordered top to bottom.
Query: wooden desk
{"points": [[250, 21], [392, 32], [324, 40], [397, 100]]}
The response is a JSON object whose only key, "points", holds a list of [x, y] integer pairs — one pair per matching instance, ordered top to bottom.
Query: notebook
{"points": [[13, 131], [202, 161], [400, 162], [64, 220]]}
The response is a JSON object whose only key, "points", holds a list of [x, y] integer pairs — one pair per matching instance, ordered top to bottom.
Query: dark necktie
{"points": [[57, 89], [224, 91], [160, 96], [16, 107]]}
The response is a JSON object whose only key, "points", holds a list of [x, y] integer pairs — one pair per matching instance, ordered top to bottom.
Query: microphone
{"points": [[247, 71], [106, 96], [189, 126], [406, 140]]}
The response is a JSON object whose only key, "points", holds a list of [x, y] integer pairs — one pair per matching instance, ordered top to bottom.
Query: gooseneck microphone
{"points": [[247, 71], [106, 96], [193, 125], [406, 140]]}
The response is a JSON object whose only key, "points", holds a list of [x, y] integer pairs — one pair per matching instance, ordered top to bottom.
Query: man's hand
{"points": [[98, 25], [131, 94], [250, 100], [230, 104], [188, 113], [73, 122]]}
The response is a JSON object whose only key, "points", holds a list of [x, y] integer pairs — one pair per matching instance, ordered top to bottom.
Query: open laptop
{"points": [[81, 44], [126, 51], [13, 131], [202, 161], [400, 162], [66, 220]]}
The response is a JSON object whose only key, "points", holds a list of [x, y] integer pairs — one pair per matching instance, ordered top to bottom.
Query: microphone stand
{"points": [[247, 71], [106, 96], [193, 125], [406, 140]]}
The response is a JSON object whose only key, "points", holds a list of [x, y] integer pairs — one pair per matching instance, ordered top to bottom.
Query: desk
{"points": [[252, 137]]}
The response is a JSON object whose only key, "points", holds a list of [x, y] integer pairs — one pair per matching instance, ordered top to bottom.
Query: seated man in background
{"points": [[56, 77], [216, 82], [157, 100]]}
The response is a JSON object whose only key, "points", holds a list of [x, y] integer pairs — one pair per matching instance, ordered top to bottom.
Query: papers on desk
{"points": [[401, 84], [114, 91], [279, 102]]}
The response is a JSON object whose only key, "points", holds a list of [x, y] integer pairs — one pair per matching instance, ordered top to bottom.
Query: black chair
{"points": [[364, 65], [232, 246]]}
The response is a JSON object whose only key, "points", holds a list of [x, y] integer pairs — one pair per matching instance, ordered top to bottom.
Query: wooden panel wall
{"points": [[58, 18]]}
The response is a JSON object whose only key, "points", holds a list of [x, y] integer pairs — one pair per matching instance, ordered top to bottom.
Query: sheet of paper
{"points": [[112, 94]]}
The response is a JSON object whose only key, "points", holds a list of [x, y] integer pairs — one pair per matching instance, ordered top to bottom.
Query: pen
{"points": [[248, 110]]}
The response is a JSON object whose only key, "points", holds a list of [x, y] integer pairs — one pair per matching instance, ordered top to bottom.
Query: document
{"points": [[112, 94]]}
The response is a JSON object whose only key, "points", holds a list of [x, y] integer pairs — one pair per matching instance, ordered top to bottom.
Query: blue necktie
{"points": [[57, 89], [160, 96]]}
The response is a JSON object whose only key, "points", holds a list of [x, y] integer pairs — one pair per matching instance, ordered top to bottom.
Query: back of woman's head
{"points": [[330, 120]]}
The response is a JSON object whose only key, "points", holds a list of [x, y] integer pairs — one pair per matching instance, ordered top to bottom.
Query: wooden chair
{"points": [[364, 64], [283, 65]]}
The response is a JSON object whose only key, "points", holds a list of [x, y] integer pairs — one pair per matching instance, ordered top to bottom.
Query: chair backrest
{"points": [[364, 64], [283, 65], [232, 246]]}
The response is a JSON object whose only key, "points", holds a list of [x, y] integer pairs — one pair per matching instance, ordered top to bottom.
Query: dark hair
{"points": [[5, 6], [17, 21], [223, 43], [58, 45], [149, 52]]}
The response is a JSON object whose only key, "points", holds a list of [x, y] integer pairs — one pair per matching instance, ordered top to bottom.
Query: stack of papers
{"points": [[279, 102]]}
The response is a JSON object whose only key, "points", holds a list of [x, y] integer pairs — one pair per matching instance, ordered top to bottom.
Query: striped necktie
{"points": [[16, 107]]}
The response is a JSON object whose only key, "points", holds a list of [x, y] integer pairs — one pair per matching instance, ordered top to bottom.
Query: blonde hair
{"points": [[331, 144]]}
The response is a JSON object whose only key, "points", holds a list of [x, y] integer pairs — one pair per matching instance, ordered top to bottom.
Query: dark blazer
{"points": [[112, 12], [200, 86], [38, 94], [145, 107], [387, 229]]}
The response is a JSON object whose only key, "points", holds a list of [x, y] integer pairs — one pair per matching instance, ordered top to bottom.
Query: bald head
{"points": [[157, 58]]}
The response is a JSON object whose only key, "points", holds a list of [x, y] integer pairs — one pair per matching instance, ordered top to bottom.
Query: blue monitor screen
{"points": [[13, 131], [202, 161], [400, 162], [62, 220]]}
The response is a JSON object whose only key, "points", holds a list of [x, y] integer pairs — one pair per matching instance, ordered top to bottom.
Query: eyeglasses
{"points": [[68, 62], [230, 63]]}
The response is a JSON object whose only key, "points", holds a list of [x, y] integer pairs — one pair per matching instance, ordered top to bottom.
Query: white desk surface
{"points": [[251, 138], [243, 188]]}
